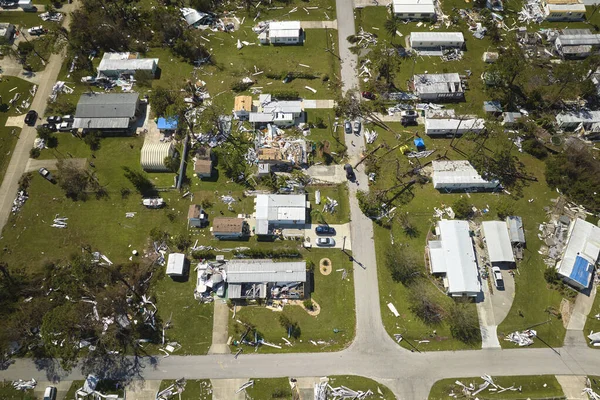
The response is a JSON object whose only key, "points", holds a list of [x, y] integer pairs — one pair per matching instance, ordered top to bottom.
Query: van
{"points": [[50, 393]]}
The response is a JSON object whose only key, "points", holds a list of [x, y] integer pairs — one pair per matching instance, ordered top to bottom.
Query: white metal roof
{"points": [[414, 6], [576, 8], [284, 29], [437, 37], [578, 40], [123, 62], [438, 83], [575, 117], [452, 124], [153, 155], [458, 173], [274, 207], [497, 241], [583, 243], [436, 256], [458, 258], [175, 264], [257, 271]]}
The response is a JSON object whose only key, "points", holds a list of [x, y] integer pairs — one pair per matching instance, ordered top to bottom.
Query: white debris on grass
{"points": [[370, 135], [39, 143], [18, 202], [330, 206], [59, 222], [524, 338], [24, 385]]}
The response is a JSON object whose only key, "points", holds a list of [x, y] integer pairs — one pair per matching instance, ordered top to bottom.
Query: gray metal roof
{"points": [[578, 40], [438, 83], [107, 105], [101, 123], [515, 229], [256, 271]]}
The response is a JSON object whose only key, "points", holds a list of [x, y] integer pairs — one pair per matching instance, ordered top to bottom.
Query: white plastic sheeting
{"points": [[154, 154]]}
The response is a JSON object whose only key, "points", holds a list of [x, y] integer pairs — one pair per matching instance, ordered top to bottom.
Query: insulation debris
{"points": [[51, 16], [370, 135], [19, 201], [524, 338], [24, 385]]}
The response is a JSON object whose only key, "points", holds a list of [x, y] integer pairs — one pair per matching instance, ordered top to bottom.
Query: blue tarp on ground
{"points": [[164, 123], [419, 143], [582, 270]]}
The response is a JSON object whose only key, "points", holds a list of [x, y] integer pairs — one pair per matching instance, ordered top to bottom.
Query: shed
{"points": [[490, 57], [510, 119], [167, 124], [153, 155], [203, 168], [459, 175], [197, 217], [228, 228], [515, 230], [498, 242], [580, 254], [454, 257], [176, 265]]}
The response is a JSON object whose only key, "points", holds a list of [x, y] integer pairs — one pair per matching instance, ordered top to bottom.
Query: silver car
{"points": [[357, 127], [325, 242]]}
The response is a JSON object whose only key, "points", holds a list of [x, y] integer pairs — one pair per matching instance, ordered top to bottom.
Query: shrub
{"points": [[240, 86], [285, 94], [535, 148], [34, 152], [505, 207], [462, 208], [264, 253], [204, 255], [310, 265], [402, 266], [551, 275], [308, 304], [424, 305], [464, 324]]}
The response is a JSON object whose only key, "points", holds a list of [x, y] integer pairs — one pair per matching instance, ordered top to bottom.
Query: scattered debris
{"points": [[532, 11], [51, 16], [365, 39], [59, 87], [370, 135], [420, 154], [19, 201], [153, 202], [330, 206], [59, 222], [393, 310], [524, 338], [24, 385], [245, 386], [176, 388]]}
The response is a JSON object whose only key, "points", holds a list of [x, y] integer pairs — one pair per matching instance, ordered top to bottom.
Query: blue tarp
{"points": [[164, 123], [419, 143], [582, 270]]}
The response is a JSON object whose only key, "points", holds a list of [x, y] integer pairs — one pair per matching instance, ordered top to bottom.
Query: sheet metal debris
{"points": [[19, 201], [59, 222], [524, 338], [24, 385], [175, 389]]}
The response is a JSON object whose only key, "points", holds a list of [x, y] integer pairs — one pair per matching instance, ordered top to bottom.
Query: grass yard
{"points": [[328, 133], [10, 134], [335, 192], [335, 298], [527, 310], [592, 323], [595, 381], [363, 384], [532, 387], [269, 388], [195, 389], [7, 392]]}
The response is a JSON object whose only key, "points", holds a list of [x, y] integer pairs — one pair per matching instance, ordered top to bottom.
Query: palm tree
{"points": [[392, 24]]}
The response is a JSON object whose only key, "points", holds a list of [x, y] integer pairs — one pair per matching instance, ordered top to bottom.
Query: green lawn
{"points": [[10, 134], [335, 192], [336, 299], [527, 310], [592, 323], [595, 381], [104, 387], [532, 387], [279, 388], [194, 389], [7, 392]]}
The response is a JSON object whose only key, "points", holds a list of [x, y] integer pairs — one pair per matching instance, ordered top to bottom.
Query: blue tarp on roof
{"points": [[164, 123], [419, 143], [582, 270]]}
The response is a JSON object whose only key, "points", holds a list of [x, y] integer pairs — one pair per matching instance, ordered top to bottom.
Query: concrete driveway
{"points": [[327, 173], [340, 231], [492, 308]]}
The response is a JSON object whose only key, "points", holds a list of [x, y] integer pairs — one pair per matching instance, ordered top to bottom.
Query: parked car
{"points": [[36, 30], [369, 95], [409, 114], [31, 117], [68, 118], [54, 119], [64, 126], [347, 126], [52, 127], [356, 127], [349, 172], [46, 174], [325, 230], [325, 241], [498, 281], [50, 393]]}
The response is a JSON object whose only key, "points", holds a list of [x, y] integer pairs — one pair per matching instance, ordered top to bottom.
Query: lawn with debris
{"points": [[592, 324], [331, 330], [531, 387], [195, 389]]}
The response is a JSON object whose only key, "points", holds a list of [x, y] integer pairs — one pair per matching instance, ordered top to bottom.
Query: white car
{"points": [[36, 30], [325, 241], [497, 275]]}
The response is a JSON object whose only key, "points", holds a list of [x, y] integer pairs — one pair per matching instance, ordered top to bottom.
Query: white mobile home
{"points": [[414, 9], [564, 10], [284, 32], [436, 40], [114, 65], [438, 87], [280, 113], [572, 119], [442, 127], [459, 175], [278, 211], [580, 255], [453, 257]]}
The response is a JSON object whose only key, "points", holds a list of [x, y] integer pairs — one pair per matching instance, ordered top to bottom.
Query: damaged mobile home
{"points": [[279, 32], [125, 65], [439, 87], [282, 113], [459, 175], [580, 255]]}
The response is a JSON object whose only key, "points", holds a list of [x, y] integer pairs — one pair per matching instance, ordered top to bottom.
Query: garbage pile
{"points": [[532, 11], [51, 16], [478, 30], [365, 39], [452, 55], [59, 87], [370, 135], [39, 143], [19, 201], [153, 202], [330, 206], [59, 222], [160, 249], [211, 278], [524, 338], [24, 385], [175, 389], [473, 390], [324, 391]]}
